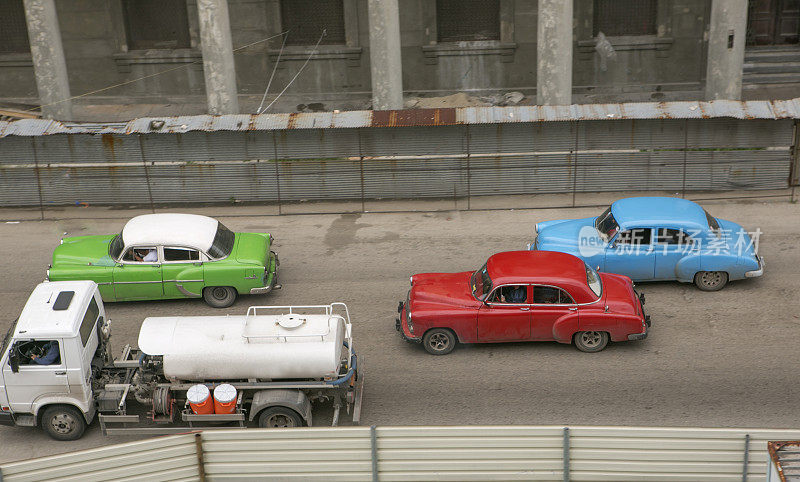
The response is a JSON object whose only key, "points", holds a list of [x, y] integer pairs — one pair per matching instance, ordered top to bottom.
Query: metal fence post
{"points": [[469, 139], [146, 173], [277, 173], [38, 181], [373, 437], [566, 454], [746, 456], [201, 463]]}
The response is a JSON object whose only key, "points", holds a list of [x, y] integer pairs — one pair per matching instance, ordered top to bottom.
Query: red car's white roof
{"points": [[170, 229]]}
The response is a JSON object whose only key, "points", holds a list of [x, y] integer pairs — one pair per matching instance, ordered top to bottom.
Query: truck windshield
{"points": [[606, 224], [223, 242], [115, 247], [481, 283], [6, 338]]}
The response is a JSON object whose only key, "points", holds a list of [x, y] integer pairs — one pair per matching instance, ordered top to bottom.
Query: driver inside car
{"points": [[513, 294], [50, 350]]}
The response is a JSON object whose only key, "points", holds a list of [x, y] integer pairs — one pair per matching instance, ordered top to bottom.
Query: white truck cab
{"points": [[46, 360]]}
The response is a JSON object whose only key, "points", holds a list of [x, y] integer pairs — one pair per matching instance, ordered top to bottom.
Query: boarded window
{"points": [[625, 17], [306, 19], [458, 20], [156, 24], [13, 29]]}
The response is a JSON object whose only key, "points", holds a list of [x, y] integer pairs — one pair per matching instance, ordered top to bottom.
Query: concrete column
{"points": [[726, 37], [47, 53], [554, 53], [218, 66], [386, 66]]}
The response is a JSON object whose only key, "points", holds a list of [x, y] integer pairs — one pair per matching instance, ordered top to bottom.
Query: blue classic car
{"points": [[657, 238]]}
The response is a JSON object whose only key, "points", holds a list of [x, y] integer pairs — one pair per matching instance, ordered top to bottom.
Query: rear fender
{"points": [[687, 267], [565, 327], [279, 397]]}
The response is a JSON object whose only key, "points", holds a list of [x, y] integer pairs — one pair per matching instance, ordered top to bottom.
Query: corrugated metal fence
{"points": [[462, 162], [458, 453]]}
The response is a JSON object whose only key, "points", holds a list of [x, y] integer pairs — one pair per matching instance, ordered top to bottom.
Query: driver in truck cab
{"points": [[50, 354]]}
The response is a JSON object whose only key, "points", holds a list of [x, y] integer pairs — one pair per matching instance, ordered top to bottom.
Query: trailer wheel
{"points": [[219, 296], [279, 417], [63, 422]]}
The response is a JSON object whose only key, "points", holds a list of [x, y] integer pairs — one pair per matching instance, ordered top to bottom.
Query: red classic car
{"points": [[522, 296]]}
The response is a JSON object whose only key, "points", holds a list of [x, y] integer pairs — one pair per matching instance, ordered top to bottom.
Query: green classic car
{"points": [[164, 256]]}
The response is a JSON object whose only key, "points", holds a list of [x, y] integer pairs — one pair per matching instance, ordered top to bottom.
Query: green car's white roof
{"points": [[170, 229], [39, 319]]}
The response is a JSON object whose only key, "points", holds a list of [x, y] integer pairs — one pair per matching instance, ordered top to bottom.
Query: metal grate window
{"points": [[625, 17], [306, 19], [458, 20], [156, 24], [13, 29]]}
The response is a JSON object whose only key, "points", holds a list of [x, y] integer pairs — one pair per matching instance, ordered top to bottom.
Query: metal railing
{"points": [[553, 453]]}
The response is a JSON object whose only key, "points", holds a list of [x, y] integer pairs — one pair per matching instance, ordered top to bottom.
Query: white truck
{"points": [[57, 371]]}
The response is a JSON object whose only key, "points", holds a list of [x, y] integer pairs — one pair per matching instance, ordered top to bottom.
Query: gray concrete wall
{"points": [[339, 76]]}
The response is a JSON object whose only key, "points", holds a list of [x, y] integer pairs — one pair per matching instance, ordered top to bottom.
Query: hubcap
{"points": [[711, 278], [220, 293], [591, 338], [439, 341], [280, 420], [63, 423]]}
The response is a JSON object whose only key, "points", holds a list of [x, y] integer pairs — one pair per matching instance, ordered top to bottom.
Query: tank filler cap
{"points": [[291, 321]]}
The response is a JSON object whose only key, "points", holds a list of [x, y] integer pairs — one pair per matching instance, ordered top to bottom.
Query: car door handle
{"points": [[525, 309], [573, 309], [61, 373]]}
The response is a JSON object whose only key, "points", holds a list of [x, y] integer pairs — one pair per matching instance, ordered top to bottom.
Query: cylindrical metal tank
{"points": [[264, 347]]}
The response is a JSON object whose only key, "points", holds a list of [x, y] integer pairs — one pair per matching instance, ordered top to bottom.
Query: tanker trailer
{"points": [[271, 364]]}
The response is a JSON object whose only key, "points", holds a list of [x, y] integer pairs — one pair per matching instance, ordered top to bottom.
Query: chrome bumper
{"points": [[758, 272], [262, 290]]}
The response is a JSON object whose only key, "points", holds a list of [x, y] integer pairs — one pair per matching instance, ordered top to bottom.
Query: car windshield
{"points": [[606, 225], [713, 225], [223, 242], [115, 247], [593, 280], [481, 283], [4, 342]]}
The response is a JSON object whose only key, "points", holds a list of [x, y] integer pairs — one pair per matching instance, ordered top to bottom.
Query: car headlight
{"points": [[536, 228]]}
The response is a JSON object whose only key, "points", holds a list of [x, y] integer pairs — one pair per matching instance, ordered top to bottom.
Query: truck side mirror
{"points": [[13, 360]]}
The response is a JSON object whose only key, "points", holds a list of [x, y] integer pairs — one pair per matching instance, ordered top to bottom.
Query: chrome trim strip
{"points": [[184, 280], [135, 282], [185, 292]]}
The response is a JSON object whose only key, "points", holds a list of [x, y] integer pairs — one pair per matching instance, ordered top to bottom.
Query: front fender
{"points": [[294, 399], [86, 407]]}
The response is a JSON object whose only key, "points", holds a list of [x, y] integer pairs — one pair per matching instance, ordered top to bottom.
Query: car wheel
{"points": [[710, 280], [219, 296], [439, 341], [591, 341], [279, 417], [62, 422]]}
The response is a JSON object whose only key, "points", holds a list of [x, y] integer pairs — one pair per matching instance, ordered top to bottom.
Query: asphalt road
{"points": [[724, 359]]}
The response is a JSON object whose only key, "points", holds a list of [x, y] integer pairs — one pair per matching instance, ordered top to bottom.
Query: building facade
{"points": [[355, 54]]}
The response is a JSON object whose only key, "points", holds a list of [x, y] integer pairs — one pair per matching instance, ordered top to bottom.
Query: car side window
{"points": [[636, 236], [673, 236], [141, 254], [181, 254], [510, 294], [550, 295]]}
